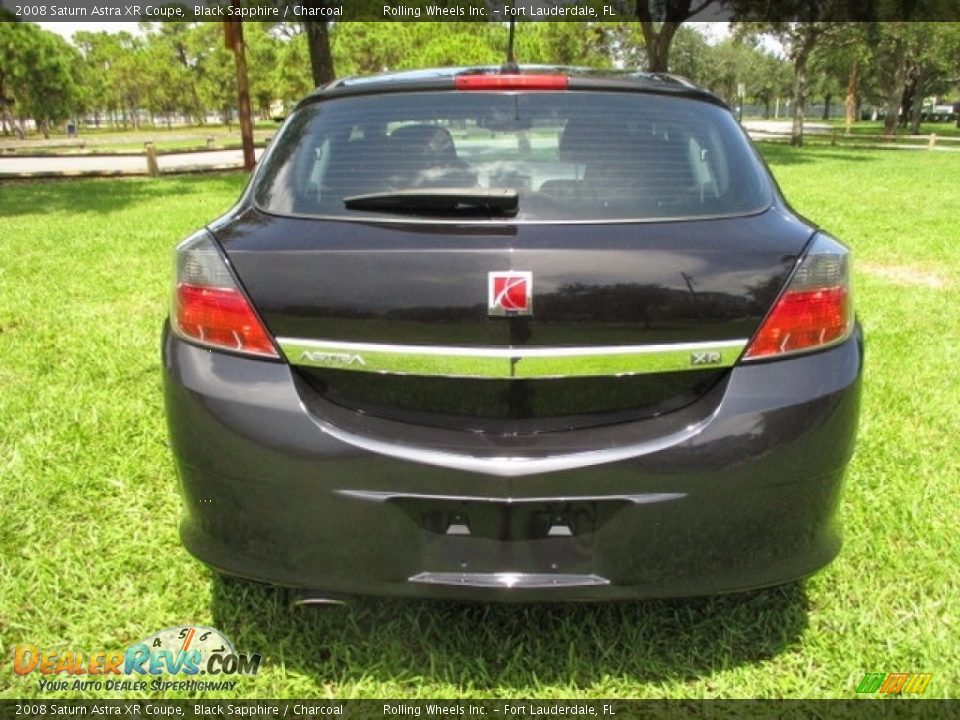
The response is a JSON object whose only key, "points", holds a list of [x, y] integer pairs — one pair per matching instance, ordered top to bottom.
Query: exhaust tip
{"points": [[304, 598]]}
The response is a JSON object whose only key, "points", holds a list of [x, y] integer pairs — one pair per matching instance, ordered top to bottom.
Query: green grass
{"points": [[89, 555]]}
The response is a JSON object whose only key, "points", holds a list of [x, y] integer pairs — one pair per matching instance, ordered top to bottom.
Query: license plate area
{"points": [[539, 536]]}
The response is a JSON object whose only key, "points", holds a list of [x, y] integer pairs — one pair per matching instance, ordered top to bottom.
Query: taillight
{"points": [[511, 82], [208, 305], [815, 310]]}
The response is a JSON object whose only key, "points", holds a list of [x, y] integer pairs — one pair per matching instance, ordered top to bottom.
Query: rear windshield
{"points": [[569, 156]]}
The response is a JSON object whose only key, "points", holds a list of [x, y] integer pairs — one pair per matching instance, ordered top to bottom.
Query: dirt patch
{"points": [[906, 275]]}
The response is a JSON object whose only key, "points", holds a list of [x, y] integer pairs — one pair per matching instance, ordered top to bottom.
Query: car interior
{"points": [[587, 163]]}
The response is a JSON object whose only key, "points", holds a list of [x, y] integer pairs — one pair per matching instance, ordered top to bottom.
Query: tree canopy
{"points": [[182, 70]]}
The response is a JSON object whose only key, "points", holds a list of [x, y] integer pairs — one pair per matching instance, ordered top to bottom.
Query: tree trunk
{"points": [[657, 43], [321, 58], [894, 90], [243, 96], [799, 96], [894, 97], [906, 101], [850, 104], [916, 106], [9, 124]]}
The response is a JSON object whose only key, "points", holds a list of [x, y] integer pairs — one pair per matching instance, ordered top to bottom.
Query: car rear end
{"points": [[512, 337]]}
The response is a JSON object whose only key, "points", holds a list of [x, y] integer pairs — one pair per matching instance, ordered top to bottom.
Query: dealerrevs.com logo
{"points": [[167, 660], [894, 683]]}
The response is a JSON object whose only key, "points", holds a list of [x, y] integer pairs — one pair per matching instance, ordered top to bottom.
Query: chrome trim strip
{"points": [[511, 362], [510, 465], [378, 496], [507, 580]]}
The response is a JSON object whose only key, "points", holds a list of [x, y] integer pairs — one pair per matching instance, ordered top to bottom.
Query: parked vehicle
{"points": [[937, 112], [549, 334]]}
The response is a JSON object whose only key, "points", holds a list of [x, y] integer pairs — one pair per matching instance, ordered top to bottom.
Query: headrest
{"points": [[579, 140], [431, 141]]}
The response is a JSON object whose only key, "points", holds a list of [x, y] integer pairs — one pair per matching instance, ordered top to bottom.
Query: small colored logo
{"points": [[510, 293], [181, 652], [894, 683]]}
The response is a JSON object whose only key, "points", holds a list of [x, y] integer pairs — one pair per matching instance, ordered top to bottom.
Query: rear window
{"points": [[569, 156]]}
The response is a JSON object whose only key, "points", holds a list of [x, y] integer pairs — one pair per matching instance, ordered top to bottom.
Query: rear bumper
{"points": [[743, 497]]}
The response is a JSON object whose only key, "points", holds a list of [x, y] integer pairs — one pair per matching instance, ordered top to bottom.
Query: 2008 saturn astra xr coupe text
{"points": [[536, 335]]}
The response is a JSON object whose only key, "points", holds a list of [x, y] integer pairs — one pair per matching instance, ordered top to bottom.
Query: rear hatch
{"points": [[644, 236]]}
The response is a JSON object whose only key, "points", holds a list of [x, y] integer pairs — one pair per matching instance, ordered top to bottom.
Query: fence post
{"points": [[933, 141], [153, 170]]}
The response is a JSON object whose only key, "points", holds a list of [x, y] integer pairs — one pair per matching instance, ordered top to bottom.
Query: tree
{"points": [[659, 35], [798, 40], [567, 43], [318, 45], [371, 47], [99, 50], [263, 52], [690, 55], [933, 63], [731, 64], [837, 65], [11, 68], [215, 69], [170, 70], [37, 75], [130, 76], [290, 78], [773, 81]]}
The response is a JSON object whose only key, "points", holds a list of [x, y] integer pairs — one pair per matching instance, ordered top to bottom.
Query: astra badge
{"points": [[510, 293], [330, 359]]}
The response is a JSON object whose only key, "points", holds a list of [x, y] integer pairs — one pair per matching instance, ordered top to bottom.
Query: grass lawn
{"points": [[89, 554]]}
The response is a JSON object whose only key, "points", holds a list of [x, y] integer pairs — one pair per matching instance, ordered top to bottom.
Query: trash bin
{"points": [[71, 130]]}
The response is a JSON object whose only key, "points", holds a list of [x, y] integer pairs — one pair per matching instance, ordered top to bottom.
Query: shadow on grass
{"points": [[784, 154], [106, 195], [509, 647]]}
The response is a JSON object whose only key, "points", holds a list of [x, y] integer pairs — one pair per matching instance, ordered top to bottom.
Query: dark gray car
{"points": [[547, 335]]}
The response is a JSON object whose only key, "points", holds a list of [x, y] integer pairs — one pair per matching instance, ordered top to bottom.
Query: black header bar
{"points": [[473, 10], [321, 709]]}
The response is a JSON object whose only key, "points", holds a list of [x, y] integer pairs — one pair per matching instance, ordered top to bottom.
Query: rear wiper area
{"points": [[441, 201]]}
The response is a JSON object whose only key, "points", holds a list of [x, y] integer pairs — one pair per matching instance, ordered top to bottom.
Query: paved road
{"points": [[118, 164]]}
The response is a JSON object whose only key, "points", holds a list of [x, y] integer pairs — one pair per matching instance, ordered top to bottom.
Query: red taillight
{"points": [[511, 82], [208, 305], [816, 309], [222, 317], [802, 320]]}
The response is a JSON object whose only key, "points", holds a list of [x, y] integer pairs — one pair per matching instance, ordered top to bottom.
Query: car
{"points": [[495, 334]]}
